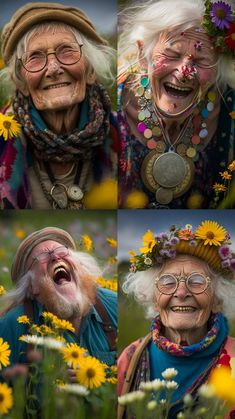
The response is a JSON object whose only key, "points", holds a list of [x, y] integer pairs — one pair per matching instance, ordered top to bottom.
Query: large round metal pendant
{"points": [[169, 170], [74, 193]]}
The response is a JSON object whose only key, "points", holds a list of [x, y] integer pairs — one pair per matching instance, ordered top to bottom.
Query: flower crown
{"points": [[219, 23], [210, 242]]}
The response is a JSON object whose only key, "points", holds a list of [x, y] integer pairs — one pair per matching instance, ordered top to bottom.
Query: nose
{"points": [[53, 67], [187, 71], [182, 291]]}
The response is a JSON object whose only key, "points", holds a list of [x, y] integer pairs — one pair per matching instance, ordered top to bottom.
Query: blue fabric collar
{"points": [[189, 367]]}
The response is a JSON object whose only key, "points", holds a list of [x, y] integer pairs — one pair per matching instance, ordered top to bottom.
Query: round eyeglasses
{"points": [[67, 54], [60, 251], [196, 283]]}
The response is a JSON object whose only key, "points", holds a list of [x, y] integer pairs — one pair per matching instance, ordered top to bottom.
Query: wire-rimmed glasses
{"points": [[196, 283]]}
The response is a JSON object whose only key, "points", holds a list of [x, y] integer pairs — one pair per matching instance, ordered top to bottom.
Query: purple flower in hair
{"points": [[221, 14], [164, 236], [174, 241], [193, 243], [224, 252], [164, 253], [172, 253], [226, 263], [232, 264]]}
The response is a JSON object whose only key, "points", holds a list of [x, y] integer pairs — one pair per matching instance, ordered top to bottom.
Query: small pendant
{"points": [[75, 193], [59, 195], [164, 196]]}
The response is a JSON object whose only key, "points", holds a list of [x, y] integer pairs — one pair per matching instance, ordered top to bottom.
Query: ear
{"points": [[142, 60], [91, 77]]}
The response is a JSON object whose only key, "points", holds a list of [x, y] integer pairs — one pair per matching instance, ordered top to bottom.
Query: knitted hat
{"points": [[33, 13], [209, 242], [27, 245]]}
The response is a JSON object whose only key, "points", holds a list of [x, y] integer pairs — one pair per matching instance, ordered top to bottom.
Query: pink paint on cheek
{"points": [[206, 76]]}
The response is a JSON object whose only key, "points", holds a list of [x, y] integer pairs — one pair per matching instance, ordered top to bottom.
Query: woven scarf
{"points": [[49, 146], [176, 349]]}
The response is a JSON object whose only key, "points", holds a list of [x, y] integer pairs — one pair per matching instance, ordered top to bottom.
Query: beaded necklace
{"points": [[168, 168]]}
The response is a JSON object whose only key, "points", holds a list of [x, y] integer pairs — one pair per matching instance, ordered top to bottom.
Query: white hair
{"points": [[145, 22], [100, 57], [141, 285], [22, 289]]}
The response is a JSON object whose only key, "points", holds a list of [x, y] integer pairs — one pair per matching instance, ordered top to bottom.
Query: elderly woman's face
{"points": [[180, 69], [57, 86], [59, 284], [183, 310]]}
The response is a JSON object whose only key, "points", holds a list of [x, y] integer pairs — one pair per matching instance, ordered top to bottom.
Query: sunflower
{"points": [[9, 127], [211, 232], [87, 242], [148, 242], [4, 353], [73, 354], [91, 372], [6, 399]]}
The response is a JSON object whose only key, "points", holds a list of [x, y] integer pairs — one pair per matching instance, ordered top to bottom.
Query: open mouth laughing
{"points": [[177, 91], [61, 274]]}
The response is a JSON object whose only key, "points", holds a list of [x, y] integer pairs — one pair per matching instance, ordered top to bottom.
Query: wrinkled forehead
{"points": [[180, 39], [47, 245], [185, 264]]}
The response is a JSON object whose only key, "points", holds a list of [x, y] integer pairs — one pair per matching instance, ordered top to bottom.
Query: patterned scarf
{"points": [[49, 146], [176, 349]]}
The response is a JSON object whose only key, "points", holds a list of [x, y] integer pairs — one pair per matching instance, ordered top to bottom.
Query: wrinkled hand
{"points": [[72, 375]]}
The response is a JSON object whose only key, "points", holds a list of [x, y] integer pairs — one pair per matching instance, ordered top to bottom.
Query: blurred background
{"points": [[103, 14], [97, 225], [132, 225]]}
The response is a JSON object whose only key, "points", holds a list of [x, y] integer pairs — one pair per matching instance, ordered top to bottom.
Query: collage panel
{"points": [[176, 83], [58, 126], [58, 314], [176, 336]]}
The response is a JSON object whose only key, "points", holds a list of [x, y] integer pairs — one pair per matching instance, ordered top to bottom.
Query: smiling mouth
{"points": [[56, 86], [177, 91], [61, 275], [183, 309]]}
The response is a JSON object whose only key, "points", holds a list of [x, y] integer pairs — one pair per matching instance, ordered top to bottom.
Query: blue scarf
{"points": [[189, 367]]}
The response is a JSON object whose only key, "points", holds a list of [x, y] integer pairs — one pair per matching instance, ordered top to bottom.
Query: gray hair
{"points": [[145, 22], [100, 58], [141, 285], [22, 289]]}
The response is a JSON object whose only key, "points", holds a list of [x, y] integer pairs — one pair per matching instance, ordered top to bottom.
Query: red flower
{"points": [[230, 37]]}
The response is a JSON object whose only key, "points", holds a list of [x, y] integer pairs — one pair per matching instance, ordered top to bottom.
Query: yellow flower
{"points": [[232, 114], [9, 127], [231, 166], [225, 175], [219, 187], [102, 195], [136, 199], [211, 232], [20, 234], [87, 242], [112, 242], [148, 242], [132, 256], [112, 260], [2, 290], [49, 316], [23, 319], [63, 324], [44, 330], [4, 353], [73, 354], [91, 372], [112, 380], [223, 384], [6, 399]]}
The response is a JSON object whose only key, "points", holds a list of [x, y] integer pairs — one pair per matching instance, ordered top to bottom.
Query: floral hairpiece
{"points": [[219, 23], [209, 242]]}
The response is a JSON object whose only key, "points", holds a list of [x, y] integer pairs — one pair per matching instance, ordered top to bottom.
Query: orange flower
{"points": [[186, 235]]}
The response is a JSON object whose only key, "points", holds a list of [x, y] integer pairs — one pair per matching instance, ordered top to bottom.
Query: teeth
{"points": [[55, 86], [182, 89], [63, 270], [183, 309]]}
